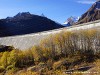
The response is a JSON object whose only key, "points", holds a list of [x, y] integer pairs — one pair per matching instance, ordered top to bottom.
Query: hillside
{"points": [[92, 14], [25, 23], [62, 54]]}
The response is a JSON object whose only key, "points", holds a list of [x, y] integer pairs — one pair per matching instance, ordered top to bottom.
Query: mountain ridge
{"points": [[92, 14], [25, 23]]}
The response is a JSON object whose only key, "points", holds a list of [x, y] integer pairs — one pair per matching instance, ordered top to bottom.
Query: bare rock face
{"points": [[92, 14]]}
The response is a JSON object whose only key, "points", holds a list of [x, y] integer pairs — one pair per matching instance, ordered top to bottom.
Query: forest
{"points": [[54, 55]]}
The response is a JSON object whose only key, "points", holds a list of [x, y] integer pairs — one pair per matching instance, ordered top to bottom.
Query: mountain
{"points": [[92, 14], [70, 21], [25, 23]]}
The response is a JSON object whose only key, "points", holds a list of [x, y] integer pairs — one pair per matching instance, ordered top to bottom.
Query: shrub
{"points": [[4, 59], [59, 64], [2, 69]]}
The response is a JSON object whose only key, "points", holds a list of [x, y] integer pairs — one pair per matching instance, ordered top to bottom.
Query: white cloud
{"points": [[86, 1]]}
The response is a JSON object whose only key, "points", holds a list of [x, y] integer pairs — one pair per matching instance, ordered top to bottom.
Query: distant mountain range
{"points": [[92, 14], [70, 21], [25, 23]]}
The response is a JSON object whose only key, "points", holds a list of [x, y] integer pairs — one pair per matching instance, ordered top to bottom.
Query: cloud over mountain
{"points": [[86, 1]]}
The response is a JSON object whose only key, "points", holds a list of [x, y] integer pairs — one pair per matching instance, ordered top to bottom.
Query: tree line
{"points": [[82, 45]]}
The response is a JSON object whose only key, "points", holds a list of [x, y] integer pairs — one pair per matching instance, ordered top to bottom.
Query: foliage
{"points": [[54, 54], [4, 59]]}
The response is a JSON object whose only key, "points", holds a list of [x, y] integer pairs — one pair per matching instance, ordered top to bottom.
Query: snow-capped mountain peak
{"points": [[70, 21]]}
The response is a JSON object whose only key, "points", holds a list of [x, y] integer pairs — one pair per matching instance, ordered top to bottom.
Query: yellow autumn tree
{"points": [[4, 59]]}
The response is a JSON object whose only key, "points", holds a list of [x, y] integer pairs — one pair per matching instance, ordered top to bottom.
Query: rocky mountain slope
{"points": [[92, 14], [25, 23]]}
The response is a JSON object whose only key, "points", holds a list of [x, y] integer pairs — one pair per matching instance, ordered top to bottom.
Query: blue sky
{"points": [[57, 10]]}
